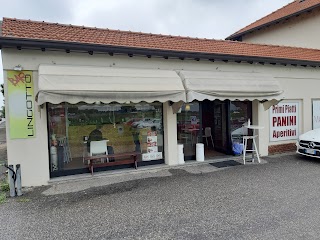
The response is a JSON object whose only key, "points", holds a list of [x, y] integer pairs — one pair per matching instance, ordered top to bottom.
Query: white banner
{"points": [[316, 114], [284, 121]]}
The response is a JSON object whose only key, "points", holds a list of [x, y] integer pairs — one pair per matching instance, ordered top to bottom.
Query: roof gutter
{"points": [[237, 35], [73, 46]]}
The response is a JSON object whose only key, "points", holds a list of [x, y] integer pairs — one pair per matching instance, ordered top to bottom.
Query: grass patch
{"points": [[4, 187], [3, 197], [23, 200]]}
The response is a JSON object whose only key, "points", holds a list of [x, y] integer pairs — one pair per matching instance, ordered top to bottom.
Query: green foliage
{"points": [[2, 110], [4, 187], [2, 197], [23, 199]]}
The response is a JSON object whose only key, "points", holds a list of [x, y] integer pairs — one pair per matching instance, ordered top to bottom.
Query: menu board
{"points": [[284, 121], [152, 147]]}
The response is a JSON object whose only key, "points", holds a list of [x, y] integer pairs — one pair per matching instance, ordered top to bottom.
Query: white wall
{"points": [[302, 31], [299, 83], [170, 135], [31, 153]]}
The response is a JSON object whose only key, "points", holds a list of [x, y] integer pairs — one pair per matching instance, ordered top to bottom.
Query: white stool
{"points": [[185, 137], [254, 148]]}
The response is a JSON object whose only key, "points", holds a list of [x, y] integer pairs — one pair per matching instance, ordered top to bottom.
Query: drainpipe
{"points": [[12, 179], [18, 179]]}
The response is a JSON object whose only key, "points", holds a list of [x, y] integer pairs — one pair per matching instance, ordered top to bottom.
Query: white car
{"points": [[152, 123], [135, 124], [309, 143]]}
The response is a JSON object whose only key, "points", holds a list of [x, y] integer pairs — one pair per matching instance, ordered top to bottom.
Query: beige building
{"points": [[296, 24], [69, 89]]}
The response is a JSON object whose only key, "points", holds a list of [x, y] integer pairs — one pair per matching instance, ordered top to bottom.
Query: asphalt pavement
{"points": [[276, 200]]}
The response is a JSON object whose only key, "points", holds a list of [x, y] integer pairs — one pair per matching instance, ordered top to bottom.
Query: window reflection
{"points": [[240, 112], [125, 127], [188, 127]]}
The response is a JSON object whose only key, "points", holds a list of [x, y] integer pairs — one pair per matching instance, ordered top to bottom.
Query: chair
{"points": [[208, 134], [186, 137], [99, 147]]}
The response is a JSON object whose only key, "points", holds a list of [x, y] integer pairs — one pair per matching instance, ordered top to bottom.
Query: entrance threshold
{"points": [[143, 169], [82, 182]]}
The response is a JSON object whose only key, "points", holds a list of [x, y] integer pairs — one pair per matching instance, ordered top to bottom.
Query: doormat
{"points": [[229, 163]]}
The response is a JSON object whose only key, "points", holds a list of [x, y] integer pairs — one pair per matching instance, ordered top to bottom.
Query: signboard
{"points": [[21, 104], [316, 114], [284, 121], [152, 147]]}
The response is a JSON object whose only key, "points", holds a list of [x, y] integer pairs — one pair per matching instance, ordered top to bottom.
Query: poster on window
{"points": [[21, 104], [316, 114], [193, 119], [284, 121], [152, 141], [152, 147]]}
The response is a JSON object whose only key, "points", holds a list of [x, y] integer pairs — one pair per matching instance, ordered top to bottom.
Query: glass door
{"points": [[240, 112], [221, 126], [188, 127]]}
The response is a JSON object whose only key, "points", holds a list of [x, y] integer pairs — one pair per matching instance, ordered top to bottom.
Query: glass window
{"points": [[240, 112], [125, 127], [188, 127]]}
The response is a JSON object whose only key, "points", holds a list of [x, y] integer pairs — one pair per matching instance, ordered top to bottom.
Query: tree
{"points": [[3, 109]]}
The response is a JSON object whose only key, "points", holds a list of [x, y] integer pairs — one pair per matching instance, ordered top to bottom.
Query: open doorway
{"points": [[224, 120], [217, 124], [189, 128]]}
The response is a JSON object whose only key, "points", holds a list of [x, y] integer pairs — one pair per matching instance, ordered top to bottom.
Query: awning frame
{"points": [[73, 84], [201, 85]]}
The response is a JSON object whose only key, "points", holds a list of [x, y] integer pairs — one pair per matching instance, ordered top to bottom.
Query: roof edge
{"points": [[112, 30], [240, 34], [74, 46]]}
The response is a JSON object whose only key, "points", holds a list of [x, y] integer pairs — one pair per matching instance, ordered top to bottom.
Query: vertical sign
{"points": [[21, 104], [316, 114], [284, 121]]}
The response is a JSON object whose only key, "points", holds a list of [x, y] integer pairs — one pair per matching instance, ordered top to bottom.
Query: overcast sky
{"points": [[196, 18]]}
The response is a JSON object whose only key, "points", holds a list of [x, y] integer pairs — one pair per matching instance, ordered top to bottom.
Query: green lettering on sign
{"points": [[21, 104]]}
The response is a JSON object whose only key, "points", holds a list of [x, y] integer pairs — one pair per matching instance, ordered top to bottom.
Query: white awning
{"points": [[73, 84], [201, 85]]}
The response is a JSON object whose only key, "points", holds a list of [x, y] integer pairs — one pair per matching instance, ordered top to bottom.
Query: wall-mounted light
{"points": [[18, 68]]}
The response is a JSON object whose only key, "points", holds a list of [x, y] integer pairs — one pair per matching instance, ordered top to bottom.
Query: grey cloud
{"points": [[54, 11], [197, 18], [201, 18]]}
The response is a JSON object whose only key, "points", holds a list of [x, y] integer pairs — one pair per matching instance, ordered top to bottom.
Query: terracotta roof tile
{"points": [[283, 13], [26, 29]]}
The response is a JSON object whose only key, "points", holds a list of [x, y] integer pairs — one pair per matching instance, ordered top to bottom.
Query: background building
{"points": [[296, 24]]}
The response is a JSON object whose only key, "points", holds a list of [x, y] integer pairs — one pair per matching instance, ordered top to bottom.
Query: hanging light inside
{"points": [[187, 107]]}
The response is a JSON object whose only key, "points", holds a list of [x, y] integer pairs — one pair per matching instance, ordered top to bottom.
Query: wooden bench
{"points": [[132, 159]]}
